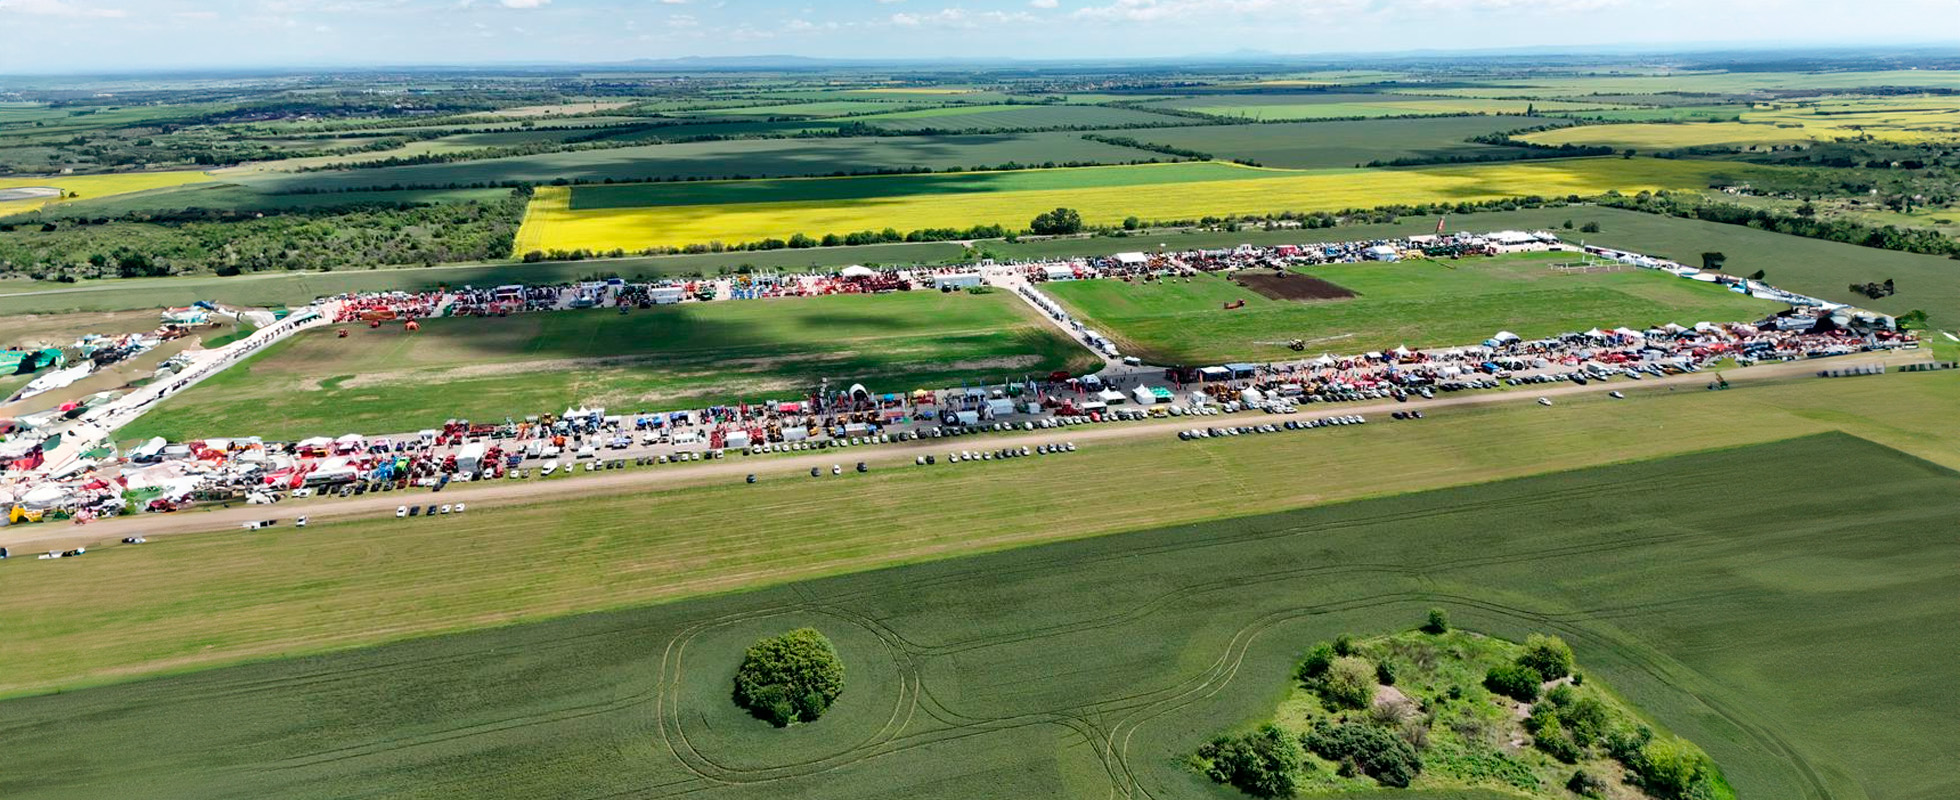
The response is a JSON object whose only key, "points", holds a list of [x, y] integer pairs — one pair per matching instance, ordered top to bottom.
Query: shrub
{"points": [[1590, 227], [1439, 622], [1343, 645], [1546, 655], [1315, 664], [1385, 673], [789, 678], [1515, 681], [1349, 683], [1585, 718], [1551, 738], [1625, 744], [1375, 752], [1263, 763], [1672, 769], [1586, 784]]}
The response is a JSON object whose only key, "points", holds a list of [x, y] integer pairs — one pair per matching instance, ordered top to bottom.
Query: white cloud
{"points": [[673, 2], [526, 3], [1044, 3], [58, 8]]}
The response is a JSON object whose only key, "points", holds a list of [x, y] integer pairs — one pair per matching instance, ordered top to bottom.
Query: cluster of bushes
{"points": [[1545, 659], [790, 678], [1362, 749], [1263, 763]]}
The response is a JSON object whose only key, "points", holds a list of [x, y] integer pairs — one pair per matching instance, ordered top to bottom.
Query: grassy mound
{"points": [[1440, 709]]}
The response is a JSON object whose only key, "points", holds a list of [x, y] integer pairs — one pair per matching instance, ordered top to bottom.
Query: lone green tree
{"points": [[1058, 222], [789, 678]]}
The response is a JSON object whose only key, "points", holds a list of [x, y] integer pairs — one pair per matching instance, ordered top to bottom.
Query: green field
{"points": [[1332, 105], [1000, 117], [1316, 145], [750, 157], [690, 193], [1419, 303], [387, 380], [1808, 662]]}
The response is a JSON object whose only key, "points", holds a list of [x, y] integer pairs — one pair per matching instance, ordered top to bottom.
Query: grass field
{"points": [[1710, 82], [1326, 105], [997, 117], [1646, 136], [1320, 145], [750, 157], [88, 186], [732, 211], [1419, 303], [386, 380], [223, 598], [1809, 663]]}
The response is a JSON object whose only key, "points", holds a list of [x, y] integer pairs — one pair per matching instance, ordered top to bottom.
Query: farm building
{"points": [[1382, 252], [1132, 259], [1058, 272]]}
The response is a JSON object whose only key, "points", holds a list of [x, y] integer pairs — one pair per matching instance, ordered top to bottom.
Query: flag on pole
{"points": [[1439, 224]]}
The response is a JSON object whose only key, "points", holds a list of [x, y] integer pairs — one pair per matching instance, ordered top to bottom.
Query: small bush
{"points": [[1439, 622], [1343, 645], [1547, 655], [1315, 664], [1385, 673], [1515, 681], [1349, 683], [1551, 738], [1375, 752], [1263, 763], [1672, 769], [1586, 784]]}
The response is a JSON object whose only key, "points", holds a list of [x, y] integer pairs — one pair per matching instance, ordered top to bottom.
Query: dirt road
{"points": [[480, 497]]}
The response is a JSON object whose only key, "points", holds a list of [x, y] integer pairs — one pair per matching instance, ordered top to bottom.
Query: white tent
{"points": [[857, 271], [1325, 360], [1143, 395], [1252, 397], [316, 442]]}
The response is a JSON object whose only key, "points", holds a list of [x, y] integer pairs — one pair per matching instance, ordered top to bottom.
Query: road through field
{"points": [[483, 496]]}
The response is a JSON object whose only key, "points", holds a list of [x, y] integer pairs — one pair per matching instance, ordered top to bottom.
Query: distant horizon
{"points": [[115, 37], [790, 61]]}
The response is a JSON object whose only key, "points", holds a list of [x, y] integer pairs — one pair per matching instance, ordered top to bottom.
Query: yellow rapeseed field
{"points": [[1897, 119], [92, 186], [551, 223]]}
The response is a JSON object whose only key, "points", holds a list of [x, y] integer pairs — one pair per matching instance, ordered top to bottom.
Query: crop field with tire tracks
{"points": [[1807, 660]]}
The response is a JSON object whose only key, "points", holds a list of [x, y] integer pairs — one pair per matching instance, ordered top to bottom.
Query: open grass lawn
{"points": [[1319, 145], [725, 158], [638, 217], [1420, 303], [388, 380], [1801, 636]]}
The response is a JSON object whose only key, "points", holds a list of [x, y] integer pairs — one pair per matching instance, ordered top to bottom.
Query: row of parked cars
{"points": [[1289, 425], [1001, 454], [433, 510]]}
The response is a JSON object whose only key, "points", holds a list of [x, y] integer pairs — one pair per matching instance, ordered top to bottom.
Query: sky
{"points": [[88, 36]]}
